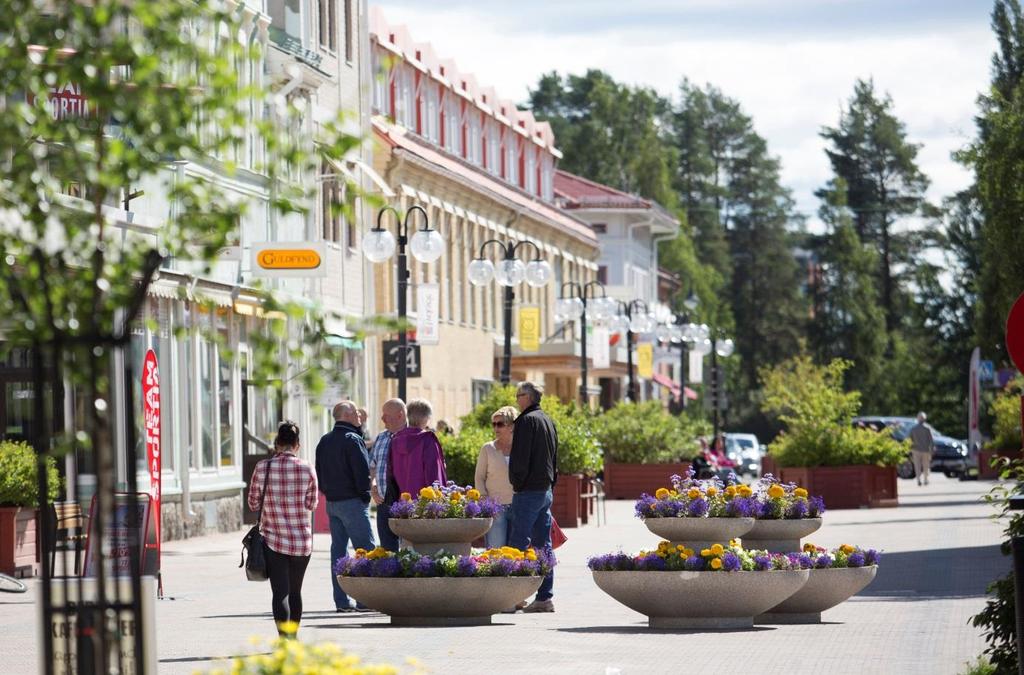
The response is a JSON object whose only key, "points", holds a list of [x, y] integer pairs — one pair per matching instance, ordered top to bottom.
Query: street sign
{"points": [[1015, 333], [412, 360], [986, 372]]}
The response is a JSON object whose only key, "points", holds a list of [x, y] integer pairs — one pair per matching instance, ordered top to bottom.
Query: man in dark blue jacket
{"points": [[343, 472]]}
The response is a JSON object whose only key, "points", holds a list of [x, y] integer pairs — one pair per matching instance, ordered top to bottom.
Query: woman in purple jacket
{"points": [[416, 459]]}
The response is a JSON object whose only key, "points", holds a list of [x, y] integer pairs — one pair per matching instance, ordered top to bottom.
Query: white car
{"points": [[745, 451]]}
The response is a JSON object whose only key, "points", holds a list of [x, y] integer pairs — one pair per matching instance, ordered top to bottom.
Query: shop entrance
{"points": [[262, 410]]}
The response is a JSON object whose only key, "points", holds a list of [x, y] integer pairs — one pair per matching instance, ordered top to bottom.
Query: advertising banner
{"points": [[428, 301], [529, 328], [600, 348], [645, 360], [696, 369], [151, 431]]}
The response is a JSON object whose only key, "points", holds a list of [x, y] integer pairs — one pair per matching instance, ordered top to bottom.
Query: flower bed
{"points": [[698, 512], [785, 513], [442, 518], [446, 589]]}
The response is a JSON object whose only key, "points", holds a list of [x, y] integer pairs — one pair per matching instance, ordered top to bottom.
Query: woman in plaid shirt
{"points": [[284, 486]]}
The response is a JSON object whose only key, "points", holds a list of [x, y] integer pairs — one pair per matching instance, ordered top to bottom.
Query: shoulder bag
{"points": [[253, 544]]}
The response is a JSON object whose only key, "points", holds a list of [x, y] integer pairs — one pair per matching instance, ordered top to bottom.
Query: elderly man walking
{"points": [[393, 415], [922, 445], [532, 470], [343, 472]]}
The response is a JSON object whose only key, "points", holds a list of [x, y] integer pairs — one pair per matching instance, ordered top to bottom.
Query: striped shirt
{"points": [[379, 460], [286, 487]]}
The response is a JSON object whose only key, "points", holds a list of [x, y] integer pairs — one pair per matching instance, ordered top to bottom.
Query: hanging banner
{"points": [[428, 314], [529, 328], [600, 348], [645, 360], [696, 369], [973, 394], [151, 430]]}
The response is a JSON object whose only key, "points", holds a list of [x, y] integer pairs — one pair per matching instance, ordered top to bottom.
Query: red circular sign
{"points": [[1015, 333]]}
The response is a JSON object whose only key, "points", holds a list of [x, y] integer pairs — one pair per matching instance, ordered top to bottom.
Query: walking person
{"points": [[393, 415], [922, 445], [416, 460], [343, 469], [532, 471], [491, 477], [284, 489]]}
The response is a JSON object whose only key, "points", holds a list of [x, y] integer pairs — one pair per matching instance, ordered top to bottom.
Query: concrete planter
{"points": [[698, 533], [430, 535], [779, 536], [19, 546], [824, 589], [701, 600], [440, 601]]}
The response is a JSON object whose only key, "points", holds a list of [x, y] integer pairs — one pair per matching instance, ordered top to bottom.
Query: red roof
{"points": [[580, 193]]}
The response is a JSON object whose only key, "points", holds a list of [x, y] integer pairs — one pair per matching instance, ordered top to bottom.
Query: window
{"points": [[347, 18], [328, 24], [380, 85], [405, 108], [431, 121], [453, 125], [493, 148], [474, 153], [512, 160], [531, 169], [547, 177], [331, 195], [599, 228], [602, 274], [186, 370], [225, 397], [207, 399]]}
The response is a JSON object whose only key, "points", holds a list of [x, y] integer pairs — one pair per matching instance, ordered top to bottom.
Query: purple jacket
{"points": [[415, 460]]}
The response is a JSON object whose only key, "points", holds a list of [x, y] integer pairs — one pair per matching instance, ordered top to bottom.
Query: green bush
{"points": [[1005, 410], [643, 433], [461, 451], [18, 475]]}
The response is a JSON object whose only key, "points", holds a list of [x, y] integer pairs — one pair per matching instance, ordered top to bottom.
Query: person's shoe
{"points": [[918, 481], [925, 481], [538, 606], [361, 608], [345, 610]]}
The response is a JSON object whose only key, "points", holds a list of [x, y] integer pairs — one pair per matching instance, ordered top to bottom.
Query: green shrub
{"points": [[1005, 410], [480, 415], [644, 433], [461, 451], [18, 475], [980, 667]]}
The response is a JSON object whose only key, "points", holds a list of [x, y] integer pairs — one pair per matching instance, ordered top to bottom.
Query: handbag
{"points": [[557, 536], [253, 544]]}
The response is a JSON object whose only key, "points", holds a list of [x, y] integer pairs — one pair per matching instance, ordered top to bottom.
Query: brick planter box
{"points": [[985, 457], [627, 481], [846, 487], [566, 504], [19, 555]]}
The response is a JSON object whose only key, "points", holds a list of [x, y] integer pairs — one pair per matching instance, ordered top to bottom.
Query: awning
{"points": [[347, 168], [374, 177], [674, 387]]}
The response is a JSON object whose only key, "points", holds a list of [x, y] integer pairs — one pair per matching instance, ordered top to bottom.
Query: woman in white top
{"points": [[492, 473]]}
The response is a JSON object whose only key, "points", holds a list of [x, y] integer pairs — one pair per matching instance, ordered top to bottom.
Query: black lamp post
{"points": [[427, 246], [509, 273], [574, 305], [630, 321]]}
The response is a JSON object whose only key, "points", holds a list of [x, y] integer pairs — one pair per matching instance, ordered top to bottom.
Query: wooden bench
{"points": [[593, 501], [71, 532]]}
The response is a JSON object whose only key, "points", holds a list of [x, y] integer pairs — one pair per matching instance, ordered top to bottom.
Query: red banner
{"points": [[151, 416]]}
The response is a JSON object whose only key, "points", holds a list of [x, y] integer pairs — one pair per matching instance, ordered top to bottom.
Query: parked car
{"points": [[745, 451], [950, 456]]}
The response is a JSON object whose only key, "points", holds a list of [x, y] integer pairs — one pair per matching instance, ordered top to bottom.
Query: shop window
{"points": [[225, 398], [207, 402]]}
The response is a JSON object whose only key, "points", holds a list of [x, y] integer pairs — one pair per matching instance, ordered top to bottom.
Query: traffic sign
{"points": [[1015, 333], [412, 360], [986, 371]]}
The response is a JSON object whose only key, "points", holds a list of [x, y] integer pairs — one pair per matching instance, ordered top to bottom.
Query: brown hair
{"points": [[287, 435]]}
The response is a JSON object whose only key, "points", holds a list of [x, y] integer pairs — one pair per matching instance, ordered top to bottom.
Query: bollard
{"points": [[1017, 546]]}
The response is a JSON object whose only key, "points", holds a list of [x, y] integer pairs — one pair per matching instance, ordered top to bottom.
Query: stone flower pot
{"points": [[698, 533], [430, 535], [779, 536], [824, 589], [701, 600], [440, 601]]}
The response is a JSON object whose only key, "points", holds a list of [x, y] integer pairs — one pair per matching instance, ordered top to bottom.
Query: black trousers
{"points": [[286, 573]]}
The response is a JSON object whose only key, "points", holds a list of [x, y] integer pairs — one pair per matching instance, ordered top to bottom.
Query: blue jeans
{"points": [[350, 519], [531, 526], [497, 536], [388, 539]]}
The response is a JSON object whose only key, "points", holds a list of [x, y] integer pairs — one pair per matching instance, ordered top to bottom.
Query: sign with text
{"points": [[65, 101], [289, 259], [428, 314], [529, 328], [601, 350], [391, 355], [645, 360], [696, 369], [151, 431], [129, 529]]}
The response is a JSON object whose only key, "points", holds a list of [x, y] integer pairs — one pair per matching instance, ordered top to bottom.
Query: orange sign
{"points": [[288, 259]]}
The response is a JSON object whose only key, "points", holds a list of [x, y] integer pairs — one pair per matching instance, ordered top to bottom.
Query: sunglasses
{"points": [[498, 424]]}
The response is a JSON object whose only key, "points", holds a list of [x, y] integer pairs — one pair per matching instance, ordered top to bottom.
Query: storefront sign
{"points": [[65, 101], [289, 259], [428, 300], [529, 328], [600, 348], [645, 360], [151, 430], [130, 528]]}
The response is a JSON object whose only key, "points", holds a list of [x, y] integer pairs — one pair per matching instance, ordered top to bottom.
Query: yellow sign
{"points": [[288, 259], [529, 328], [645, 360]]}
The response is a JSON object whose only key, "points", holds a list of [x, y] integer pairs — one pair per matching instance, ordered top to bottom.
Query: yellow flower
{"points": [[730, 490], [712, 491], [745, 491], [776, 491], [800, 492], [427, 493], [437, 493], [661, 493], [693, 493], [473, 494], [406, 497], [456, 497], [736, 543], [680, 548], [810, 548], [717, 549], [847, 549], [360, 552], [687, 552], [705, 552], [531, 555], [716, 563], [288, 627]]}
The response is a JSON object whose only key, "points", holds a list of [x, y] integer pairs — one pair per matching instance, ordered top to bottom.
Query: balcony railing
{"points": [[293, 45]]}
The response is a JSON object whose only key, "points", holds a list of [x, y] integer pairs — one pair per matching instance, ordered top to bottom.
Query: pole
{"points": [[403, 337], [506, 361], [682, 375], [714, 389], [631, 393], [584, 397], [1017, 548]]}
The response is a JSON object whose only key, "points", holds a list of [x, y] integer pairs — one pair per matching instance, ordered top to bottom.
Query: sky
{"points": [[791, 64]]}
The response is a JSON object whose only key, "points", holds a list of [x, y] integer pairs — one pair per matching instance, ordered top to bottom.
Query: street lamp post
{"points": [[427, 246], [509, 272], [574, 306], [630, 321], [716, 347]]}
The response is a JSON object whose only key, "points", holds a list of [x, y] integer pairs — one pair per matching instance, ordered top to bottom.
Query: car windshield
{"points": [[902, 429]]}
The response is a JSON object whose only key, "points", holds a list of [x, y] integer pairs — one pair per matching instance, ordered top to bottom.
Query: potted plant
{"points": [[1006, 434], [643, 444], [820, 449], [19, 498], [784, 513], [442, 517], [719, 587], [442, 589]]}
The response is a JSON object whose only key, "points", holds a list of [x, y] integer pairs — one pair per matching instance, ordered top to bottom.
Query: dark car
{"points": [[950, 456]]}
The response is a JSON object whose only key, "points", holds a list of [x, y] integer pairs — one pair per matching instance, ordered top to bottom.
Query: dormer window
{"points": [[391, 38], [419, 55], [441, 69], [463, 85], [484, 97]]}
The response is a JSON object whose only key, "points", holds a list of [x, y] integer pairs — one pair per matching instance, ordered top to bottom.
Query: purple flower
{"points": [[644, 506], [490, 507], [740, 507], [815, 507], [667, 508], [697, 508], [403, 509], [434, 510], [472, 510], [797, 510], [872, 557], [856, 559], [800, 560], [762, 561], [823, 561], [609, 562], [651, 562], [730, 562], [781, 562], [694, 563], [466, 566], [358, 567], [386, 567], [424, 567], [502, 567], [527, 568]]}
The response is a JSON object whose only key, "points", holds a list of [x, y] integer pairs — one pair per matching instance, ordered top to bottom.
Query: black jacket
{"points": [[533, 463], [342, 464]]}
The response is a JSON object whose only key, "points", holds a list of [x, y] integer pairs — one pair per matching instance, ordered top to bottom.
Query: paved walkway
{"points": [[940, 551]]}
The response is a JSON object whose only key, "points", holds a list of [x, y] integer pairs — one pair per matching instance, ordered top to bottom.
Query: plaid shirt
{"points": [[379, 460], [290, 496]]}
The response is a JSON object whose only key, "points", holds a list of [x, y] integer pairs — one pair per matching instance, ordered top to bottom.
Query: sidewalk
{"points": [[940, 551]]}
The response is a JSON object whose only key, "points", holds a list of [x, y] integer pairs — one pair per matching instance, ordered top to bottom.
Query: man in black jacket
{"points": [[533, 470], [343, 472]]}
